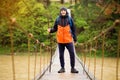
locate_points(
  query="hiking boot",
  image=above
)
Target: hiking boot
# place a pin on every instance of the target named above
(73, 70)
(62, 70)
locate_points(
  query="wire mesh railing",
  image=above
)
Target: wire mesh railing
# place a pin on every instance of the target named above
(96, 65)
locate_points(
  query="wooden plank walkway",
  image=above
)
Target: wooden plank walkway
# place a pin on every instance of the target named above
(54, 75)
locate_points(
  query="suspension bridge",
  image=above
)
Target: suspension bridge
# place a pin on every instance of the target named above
(45, 64)
(47, 67)
(67, 75)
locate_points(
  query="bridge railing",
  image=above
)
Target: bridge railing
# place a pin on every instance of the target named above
(39, 55)
(90, 48)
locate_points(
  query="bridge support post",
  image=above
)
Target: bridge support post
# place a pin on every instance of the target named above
(117, 25)
(12, 45)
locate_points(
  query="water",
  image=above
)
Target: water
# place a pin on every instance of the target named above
(21, 67)
(109, 69)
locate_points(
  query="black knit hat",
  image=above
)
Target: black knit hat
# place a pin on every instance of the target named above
(63, 8)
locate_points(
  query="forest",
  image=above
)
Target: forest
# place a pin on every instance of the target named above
(36, 16)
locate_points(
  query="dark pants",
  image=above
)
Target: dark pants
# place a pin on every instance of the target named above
(70, 48)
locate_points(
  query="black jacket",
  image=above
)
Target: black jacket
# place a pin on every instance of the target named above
(63, 21)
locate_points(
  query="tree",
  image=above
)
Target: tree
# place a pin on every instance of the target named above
(75, 1)
(70, 1)
(48, 2)
(7, 8)
(62, 1)
(30, 15)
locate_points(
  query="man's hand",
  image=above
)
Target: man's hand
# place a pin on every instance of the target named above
(49, 30)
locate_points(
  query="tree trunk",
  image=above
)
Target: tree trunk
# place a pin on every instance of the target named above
(86, 3)
(75, 1)
(79, 1)
(48, 2)
(70, 1)
(62, 1)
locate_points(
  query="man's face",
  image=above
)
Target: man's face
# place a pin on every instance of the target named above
(63, 12)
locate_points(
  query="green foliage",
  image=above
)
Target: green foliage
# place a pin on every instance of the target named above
(7, 8)
(106, 54)
(89, 18)
(82, 38)
(4, 50)
(81, 23)
(33, 17)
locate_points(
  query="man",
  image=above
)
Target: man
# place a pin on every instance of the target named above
(65, 29)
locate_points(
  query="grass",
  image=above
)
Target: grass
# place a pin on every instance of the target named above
(4, 50)
(98, 54)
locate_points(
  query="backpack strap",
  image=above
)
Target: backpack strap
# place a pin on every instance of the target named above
(57, 19)
(69, 19)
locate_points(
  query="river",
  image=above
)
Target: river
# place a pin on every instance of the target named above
(109, 68)
(21, 68)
